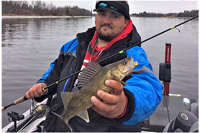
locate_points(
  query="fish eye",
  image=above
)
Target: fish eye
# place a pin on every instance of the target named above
(125, 62)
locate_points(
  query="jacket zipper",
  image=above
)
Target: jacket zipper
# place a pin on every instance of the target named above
(70, 72)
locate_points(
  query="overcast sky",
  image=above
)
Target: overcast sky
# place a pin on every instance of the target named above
(156, 6)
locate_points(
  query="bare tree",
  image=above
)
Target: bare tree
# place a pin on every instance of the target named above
(40, 8)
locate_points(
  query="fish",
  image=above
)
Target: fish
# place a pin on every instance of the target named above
(92, 79)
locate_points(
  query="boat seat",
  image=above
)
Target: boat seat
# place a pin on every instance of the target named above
(195, 109)
(186, 121)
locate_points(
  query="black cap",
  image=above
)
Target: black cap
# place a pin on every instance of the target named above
(121, 7)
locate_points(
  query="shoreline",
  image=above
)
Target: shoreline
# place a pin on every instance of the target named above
(13, 17)
(5, 17)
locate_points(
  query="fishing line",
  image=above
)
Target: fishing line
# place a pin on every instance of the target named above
(23, 98)
(178, 30)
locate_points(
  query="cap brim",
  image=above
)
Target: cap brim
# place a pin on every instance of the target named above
(96, 10)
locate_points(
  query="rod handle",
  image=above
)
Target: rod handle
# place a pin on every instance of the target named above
(21, 99)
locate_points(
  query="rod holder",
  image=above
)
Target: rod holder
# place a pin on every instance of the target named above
(14, 117)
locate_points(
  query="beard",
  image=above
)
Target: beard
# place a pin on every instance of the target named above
(107, 37)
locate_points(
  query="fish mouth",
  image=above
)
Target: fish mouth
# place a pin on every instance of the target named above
(131, 63)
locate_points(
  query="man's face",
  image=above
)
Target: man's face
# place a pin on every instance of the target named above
(109, 24)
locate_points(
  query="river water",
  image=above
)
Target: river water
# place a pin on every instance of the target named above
(29, 45)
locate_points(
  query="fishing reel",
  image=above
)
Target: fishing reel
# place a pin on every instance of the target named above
(38, 109)
(41, 109)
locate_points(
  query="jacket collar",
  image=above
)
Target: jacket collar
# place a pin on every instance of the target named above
(84, 39)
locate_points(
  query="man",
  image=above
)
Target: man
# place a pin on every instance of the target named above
(128, 106)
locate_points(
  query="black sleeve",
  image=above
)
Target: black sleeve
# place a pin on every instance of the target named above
(130, 107)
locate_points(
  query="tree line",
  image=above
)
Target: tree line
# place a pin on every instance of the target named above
(39, 8)
(186, 13)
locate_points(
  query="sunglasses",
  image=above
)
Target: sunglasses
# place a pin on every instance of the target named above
(104, 5)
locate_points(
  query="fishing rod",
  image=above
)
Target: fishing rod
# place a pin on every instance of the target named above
(24, 98)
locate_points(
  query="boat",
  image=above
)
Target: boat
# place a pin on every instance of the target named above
(176, 112)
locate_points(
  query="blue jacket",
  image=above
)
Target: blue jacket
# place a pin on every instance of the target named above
(143, 89)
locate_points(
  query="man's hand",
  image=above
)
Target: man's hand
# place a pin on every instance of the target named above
(113, 105)
(36, 91)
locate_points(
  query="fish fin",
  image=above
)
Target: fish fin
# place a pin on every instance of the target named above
(60, 116)
(66, 122)
(90, 70)
(66, 97)
(118, 80)
(70, 128)
(84, 115)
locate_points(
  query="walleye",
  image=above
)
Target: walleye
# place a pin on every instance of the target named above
(91, 80)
